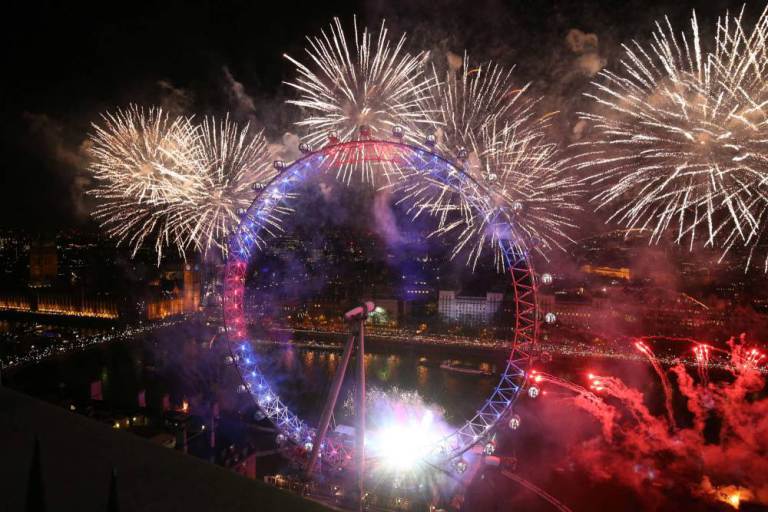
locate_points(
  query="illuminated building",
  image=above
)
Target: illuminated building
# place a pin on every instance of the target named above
(43, 263)
(191, 290)
(164, 308)
(471, 311)
(66, 305)
(61, 304)
(177, 301)
(14, 303)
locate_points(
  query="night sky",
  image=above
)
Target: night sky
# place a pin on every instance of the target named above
(67, 62)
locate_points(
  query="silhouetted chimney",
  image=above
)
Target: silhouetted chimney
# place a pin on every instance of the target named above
(112, 503)
(35, 489)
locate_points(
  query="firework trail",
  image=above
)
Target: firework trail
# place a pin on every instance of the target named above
(680, 134)
(145, 169)
(647, 352)
(744, 359)
(739, 357)
(585, 399)
(633, 401)
(539, 377)
(531, 194)
(536, 490)
(185, 185)
(644, 453)
(366, 90)
(231, 162)
(172, 181)
(701, 351)
(755, 242)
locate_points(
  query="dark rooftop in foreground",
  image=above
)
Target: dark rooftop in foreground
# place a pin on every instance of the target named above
(77, 456)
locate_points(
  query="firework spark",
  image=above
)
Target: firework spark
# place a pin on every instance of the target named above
(666, 386)
(145, 168)
(680, 134)
(174, 182)
(530, 193)
(366, 91)
(756, 241)
(200, 182)
(231, 162)
(744, 358)
(490, 128)
(463, 103)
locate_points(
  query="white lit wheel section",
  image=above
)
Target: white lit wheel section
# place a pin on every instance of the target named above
(386, 162)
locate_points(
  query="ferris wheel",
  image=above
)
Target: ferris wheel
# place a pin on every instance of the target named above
(402, 166)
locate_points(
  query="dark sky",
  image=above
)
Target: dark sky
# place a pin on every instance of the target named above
(67, 62)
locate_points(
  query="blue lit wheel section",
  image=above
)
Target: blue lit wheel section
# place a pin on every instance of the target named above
(397, 165)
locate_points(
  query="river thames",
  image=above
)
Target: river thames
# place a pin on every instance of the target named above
(186, 364)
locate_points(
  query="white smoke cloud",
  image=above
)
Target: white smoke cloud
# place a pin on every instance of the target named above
(242, 102)
(580, 42)
(244, 106)
(287, 149)
(587, 48)
(590, 64)
(454, 61)
(175, 100)
(384, 219)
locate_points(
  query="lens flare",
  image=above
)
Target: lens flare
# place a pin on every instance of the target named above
(404, 445)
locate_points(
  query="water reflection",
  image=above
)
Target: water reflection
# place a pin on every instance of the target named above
(302, 377)
(422, 376)
(176, 365)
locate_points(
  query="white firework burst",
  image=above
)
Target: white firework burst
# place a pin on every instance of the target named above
(231, 162)
(361, 87)
(489, 126)
(144, 165)
(464, 102)
(679, 139)
(530, 195)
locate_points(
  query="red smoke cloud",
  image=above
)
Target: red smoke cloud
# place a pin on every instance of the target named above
(719, 452)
